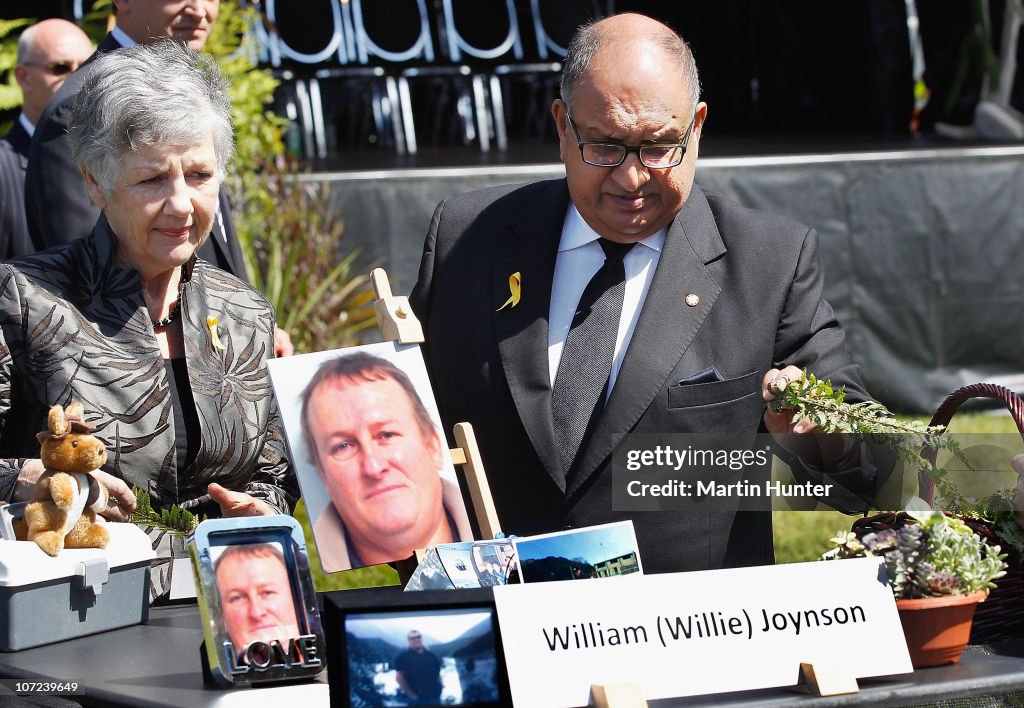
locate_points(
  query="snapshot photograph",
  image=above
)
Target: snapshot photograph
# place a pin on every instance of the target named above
(369, 453)
(422, 658)
(580, 554)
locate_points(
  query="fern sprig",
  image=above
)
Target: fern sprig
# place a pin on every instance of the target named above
(175, 520)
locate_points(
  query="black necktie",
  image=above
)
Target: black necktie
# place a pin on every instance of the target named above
(577, 396)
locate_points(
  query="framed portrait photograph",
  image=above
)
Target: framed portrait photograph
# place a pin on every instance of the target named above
(256, 598)
(371, 458)
(431, 648)
(603, 551)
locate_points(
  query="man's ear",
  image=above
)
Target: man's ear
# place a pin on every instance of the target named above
(21, 76)
(93, 188)
(560, 112)
(699, 116)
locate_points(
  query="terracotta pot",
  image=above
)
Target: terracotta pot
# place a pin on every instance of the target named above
(937, 628)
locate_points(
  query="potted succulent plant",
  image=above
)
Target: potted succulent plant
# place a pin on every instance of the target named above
(997, 517)
(939, 570)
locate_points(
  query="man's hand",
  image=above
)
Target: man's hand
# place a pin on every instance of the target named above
(121, 503)
(820, 447)
(780, 423)
(282, 343)
(238, 503)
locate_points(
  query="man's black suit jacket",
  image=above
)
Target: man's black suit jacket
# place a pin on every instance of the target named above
(14, 238)
(56, 202)
(759, 284)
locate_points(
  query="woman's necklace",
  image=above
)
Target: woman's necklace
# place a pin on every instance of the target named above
(175, 310)
(171, 316)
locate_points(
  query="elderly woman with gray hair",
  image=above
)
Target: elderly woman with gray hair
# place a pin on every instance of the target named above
(166, 352)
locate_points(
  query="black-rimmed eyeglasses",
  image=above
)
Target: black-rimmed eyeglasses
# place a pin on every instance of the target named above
(60, 68)
(653, 155)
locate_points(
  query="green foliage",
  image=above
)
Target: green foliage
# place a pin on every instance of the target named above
(289, 234)
(931, 556)
(257, 130)
(320, 300)
(10, 92)
(175, 520)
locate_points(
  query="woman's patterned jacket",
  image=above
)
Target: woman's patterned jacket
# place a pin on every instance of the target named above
(74, 326)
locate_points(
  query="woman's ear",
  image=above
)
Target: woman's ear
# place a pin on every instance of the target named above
(93, 188)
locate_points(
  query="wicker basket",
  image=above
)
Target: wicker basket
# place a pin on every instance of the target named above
(1001, 617)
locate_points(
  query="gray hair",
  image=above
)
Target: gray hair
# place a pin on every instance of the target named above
(26, 44)
(591, 38)
(148, 95)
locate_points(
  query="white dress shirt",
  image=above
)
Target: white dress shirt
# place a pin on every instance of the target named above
(122, 37)
(580, 256)
(28, 125)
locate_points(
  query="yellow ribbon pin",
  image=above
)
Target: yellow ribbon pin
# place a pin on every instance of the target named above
(211, 322)
(515, 287)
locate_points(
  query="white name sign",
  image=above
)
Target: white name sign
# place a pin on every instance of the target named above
(685, 634)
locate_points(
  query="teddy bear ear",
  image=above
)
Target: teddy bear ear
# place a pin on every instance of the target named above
(74, 414)
(56, 421)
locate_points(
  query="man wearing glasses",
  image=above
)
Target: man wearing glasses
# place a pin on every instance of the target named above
(565, 318)
(47, 52)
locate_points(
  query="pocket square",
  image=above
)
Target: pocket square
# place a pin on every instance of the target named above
(709, 375)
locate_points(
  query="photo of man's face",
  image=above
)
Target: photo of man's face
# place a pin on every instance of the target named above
(255, 596)
(379, 464)
(369, 453)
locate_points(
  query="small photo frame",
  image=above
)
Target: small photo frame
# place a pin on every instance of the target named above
(601, 551)
(369, 452)
(386, 647)
(260, 617)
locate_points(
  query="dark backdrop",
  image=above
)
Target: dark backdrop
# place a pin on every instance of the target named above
(768, 66)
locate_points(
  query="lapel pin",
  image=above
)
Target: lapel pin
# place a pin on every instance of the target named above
(515, 288)
(693, 300)
(211, 322)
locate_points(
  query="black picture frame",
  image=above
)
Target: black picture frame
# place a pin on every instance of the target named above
(339, 609)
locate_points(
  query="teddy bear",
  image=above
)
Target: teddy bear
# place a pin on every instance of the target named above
(66, 498)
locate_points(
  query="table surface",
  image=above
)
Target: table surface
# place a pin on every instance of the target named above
(152, 664)
(158, 664)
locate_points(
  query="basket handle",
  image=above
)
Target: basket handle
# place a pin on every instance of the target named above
(953, 401)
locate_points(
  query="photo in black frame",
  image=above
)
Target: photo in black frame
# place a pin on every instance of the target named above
(384, 644)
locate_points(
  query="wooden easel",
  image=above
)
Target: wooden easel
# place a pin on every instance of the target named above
(397, 322)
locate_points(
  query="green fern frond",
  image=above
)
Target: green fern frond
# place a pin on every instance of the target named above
(175, 521)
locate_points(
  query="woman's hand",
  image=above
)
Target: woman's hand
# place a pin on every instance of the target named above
(121, 503)
(238, 503)
(282, 343)
(26, 483)
(119, 507)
